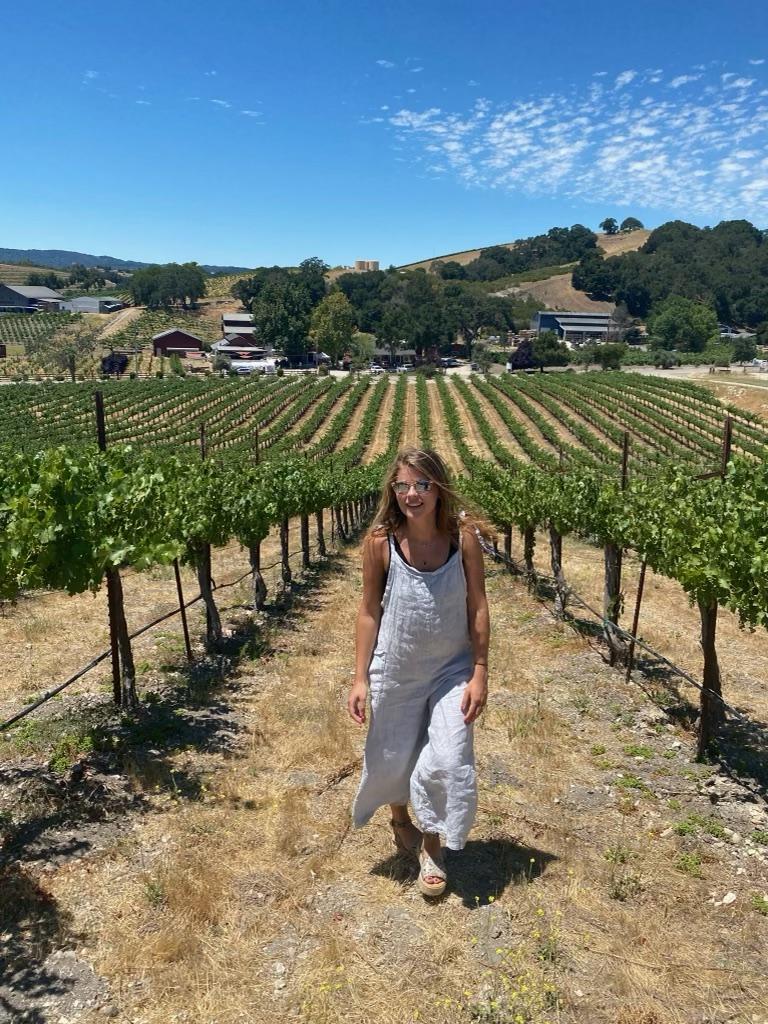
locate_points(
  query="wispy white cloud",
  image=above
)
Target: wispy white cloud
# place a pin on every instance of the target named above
(683, 80)
(222, 103)
(697, 150)
(472, 83)
(385, 63)
(761, 60)
(252, 113)
(599, 74)
(415, 71)
(88, 76)
(210, 74)
(143, 103)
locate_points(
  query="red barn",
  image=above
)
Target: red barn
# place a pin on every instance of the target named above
(175, 341)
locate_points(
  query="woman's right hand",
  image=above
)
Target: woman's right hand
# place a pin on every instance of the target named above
(358, 694)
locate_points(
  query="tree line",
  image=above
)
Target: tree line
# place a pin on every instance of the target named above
(294, 309)
(556, 247)
(724, 268)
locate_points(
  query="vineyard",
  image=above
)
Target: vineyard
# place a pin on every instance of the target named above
(22, 328)
(215, 482)
(633, 461)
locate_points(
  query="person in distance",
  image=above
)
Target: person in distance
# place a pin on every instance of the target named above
(422, 649)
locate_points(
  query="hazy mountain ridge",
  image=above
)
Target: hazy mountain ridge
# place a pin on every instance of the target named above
(60, 258)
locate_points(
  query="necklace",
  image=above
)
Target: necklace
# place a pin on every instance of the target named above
(426, 545)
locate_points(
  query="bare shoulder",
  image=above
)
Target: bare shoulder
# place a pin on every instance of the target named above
(470, 542)
(376, 550)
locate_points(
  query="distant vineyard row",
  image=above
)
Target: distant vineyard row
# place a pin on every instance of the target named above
(544, 420)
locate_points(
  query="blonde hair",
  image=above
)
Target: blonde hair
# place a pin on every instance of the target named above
(451, 513)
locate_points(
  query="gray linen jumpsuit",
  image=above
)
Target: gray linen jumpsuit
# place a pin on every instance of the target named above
(418, 746)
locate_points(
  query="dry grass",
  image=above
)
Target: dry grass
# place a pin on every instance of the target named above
(614, 245)
(558, 293)
(256, 903)
(47, 636)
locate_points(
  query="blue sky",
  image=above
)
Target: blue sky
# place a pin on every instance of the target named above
(252, 133)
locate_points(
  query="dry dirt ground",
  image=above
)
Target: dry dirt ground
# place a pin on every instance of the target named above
(196, 864)
(614, 245)
(558, 293)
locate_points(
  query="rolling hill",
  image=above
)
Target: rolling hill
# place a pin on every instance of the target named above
(58, 258)
(612, 245)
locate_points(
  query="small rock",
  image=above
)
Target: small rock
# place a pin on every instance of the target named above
(728, 899)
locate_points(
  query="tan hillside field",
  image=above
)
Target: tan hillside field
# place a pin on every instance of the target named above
(558, 293)
(14, 273)
(612, 245)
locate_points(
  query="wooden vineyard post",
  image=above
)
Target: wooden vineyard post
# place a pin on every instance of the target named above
(508, 545)
(529, 546)
(727, 438)
(612, 596)
(339, 522)
(182, 609)
(254, 551)
(712, 712)
(320, 534)
(213, 633)
(345, 520)
(123, 669)
(304, 530)
(556, 561)
(285, 554)
(636, 620)
(259, 586)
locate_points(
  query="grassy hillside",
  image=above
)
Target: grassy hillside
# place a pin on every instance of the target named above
(612, 245)
(13, 273)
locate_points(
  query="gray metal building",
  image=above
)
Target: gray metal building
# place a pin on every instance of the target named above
(20, 297)
(91, 304)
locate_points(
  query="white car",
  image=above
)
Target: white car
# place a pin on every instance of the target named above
(375, 368)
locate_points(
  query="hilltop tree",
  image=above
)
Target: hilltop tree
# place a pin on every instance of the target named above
(332, 325)
(610, 225)
(630, 224)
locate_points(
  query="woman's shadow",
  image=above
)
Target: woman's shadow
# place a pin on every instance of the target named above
(480, 872)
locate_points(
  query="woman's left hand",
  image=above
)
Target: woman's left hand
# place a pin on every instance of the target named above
(475, 695)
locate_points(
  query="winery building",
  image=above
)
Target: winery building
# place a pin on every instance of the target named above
(175, 342)
(22, 298)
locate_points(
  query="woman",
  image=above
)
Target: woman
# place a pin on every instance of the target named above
(422, 645)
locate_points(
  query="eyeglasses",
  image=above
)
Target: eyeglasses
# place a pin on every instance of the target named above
(402, 487)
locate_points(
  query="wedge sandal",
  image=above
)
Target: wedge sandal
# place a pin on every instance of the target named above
(430, 869)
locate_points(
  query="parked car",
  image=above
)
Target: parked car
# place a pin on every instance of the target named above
(375, 368)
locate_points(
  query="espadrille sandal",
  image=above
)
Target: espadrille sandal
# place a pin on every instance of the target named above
(407, 849)
(430, 869)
